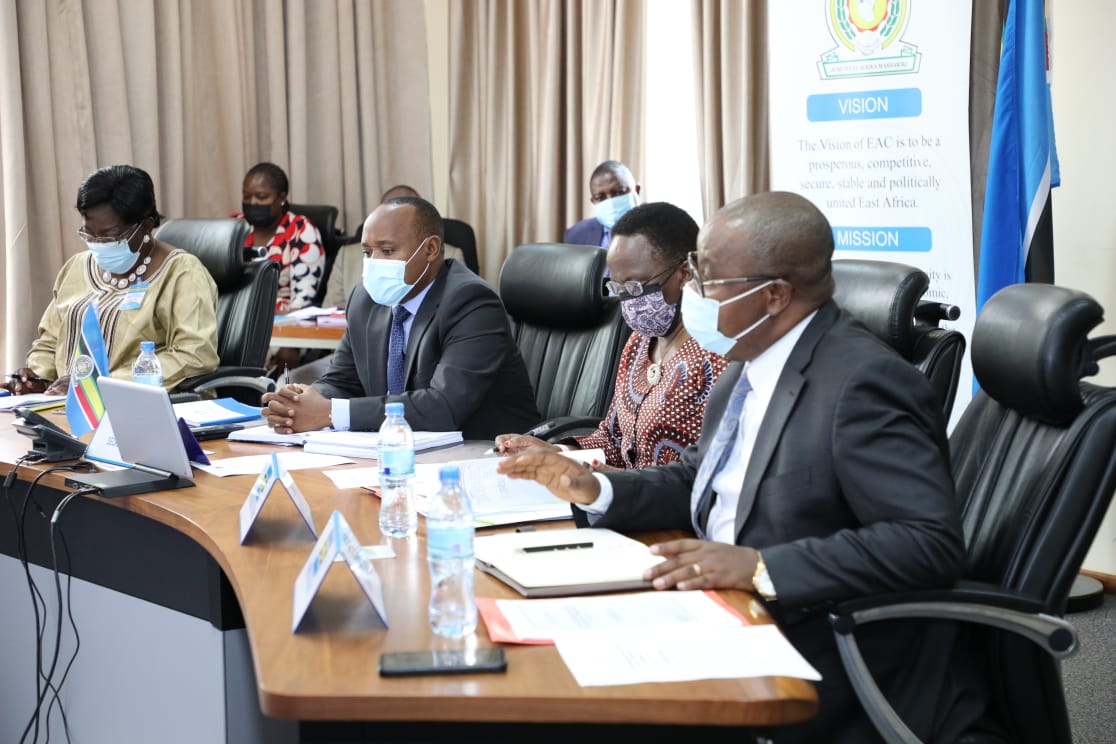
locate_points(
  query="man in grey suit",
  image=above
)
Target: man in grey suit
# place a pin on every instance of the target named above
(423, 330)
(821, 475)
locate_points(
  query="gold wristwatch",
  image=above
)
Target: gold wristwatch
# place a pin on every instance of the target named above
(761, 580)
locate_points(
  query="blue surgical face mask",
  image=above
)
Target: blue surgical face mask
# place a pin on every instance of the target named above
(383, 278)
(702, 317)
(116, 257)
(610, 210)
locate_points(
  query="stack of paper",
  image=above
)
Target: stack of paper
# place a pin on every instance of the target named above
(32, 401)
(333, 320)
(560, 563)
(366, 443)
(213, 412)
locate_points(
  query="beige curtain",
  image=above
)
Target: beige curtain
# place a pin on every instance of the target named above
(195, 92)
(730, 71)
(540, 93)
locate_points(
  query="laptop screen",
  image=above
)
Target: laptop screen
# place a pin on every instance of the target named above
(144, 425)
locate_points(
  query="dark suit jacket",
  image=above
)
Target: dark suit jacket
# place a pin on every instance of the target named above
(586, 232)
(848, 492)
(463, 369)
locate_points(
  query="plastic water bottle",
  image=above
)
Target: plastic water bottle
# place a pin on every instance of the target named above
(449, 544)
(398, 517)
(147, 368)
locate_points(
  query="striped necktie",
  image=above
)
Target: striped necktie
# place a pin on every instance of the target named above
(718, 452)
(397, 347)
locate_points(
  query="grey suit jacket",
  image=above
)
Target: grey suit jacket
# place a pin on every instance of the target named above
(463, 370)
(848, 492)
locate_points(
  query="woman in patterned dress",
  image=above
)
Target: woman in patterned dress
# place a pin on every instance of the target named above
(664, 377)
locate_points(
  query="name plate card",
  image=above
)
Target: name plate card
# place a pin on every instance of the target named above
(337, 540)
(271, 474)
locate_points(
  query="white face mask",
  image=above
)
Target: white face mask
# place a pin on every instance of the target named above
(116, 257)
(702, 318)
(383, 278)
(609, 211)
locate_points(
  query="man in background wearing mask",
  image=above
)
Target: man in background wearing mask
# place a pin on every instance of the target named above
(613, 191)
(425, 331)
(821, 474)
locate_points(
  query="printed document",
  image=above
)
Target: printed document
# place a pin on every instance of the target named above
(675, 653)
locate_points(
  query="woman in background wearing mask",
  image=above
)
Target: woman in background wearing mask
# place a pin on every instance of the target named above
(664, 376)
(281, 235)
(289, 239)
(143, 290)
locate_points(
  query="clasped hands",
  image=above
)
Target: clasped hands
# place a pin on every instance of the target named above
(690, 563)
(295, 408)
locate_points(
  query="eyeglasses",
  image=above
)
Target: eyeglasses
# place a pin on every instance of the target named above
(701, 284)
(633, 288)
(90, 238)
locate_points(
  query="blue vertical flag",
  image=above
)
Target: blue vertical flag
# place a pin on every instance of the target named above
(1016, 239)
(84, 406)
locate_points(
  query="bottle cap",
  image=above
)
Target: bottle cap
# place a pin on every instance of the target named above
(449, 473)
(394, 409)
(147, 346)
(387, 472)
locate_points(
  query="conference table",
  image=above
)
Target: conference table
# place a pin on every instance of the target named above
(306, 334)
(328, 670)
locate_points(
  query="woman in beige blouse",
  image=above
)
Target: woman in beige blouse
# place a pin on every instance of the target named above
(143, 290)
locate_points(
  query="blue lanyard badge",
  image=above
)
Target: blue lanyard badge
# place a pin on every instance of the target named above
(134, 299)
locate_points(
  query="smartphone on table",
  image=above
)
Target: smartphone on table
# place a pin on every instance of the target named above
(449, 661)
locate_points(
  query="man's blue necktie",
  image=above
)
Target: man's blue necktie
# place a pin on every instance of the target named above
(397, 348)
(718, 451)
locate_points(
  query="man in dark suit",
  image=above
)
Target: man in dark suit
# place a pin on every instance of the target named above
(821, 475)
(612, 191)
(423, 330)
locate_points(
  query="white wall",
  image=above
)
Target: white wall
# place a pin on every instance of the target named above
(1085, 204)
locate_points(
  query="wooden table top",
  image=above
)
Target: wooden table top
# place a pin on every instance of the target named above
(328, 670)
(306, 334)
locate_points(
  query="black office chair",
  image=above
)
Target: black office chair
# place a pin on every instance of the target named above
(246, 292)
(324, 217)
(1034, 459)
(461, 234)
(887, 298)
(569, 333)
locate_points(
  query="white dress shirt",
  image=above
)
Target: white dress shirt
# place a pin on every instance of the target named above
(340, 406)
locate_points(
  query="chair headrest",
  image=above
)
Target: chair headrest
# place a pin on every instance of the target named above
(554, 284)
(323, 216)
(883, 296)
(218, 243)
(1030, 349)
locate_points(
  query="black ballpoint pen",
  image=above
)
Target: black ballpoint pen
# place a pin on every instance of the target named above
(286, 374)
(560, 546)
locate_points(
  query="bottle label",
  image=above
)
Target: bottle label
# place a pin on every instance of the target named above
(401, 461)
(449, 543)
(156, 380)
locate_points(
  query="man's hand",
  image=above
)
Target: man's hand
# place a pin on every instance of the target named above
(295, 408)
(565, 478)
(513, 444)
(702, 564)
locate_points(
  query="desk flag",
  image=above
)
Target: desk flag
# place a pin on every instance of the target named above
(1017, 243)
(84, 406)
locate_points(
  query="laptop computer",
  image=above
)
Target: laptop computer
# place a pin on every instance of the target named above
(147, 437)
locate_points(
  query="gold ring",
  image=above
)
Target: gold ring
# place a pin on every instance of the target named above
(696, 568)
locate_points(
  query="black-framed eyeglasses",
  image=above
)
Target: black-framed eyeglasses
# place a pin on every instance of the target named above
(700, 284)
(632, 288)
(122, 235)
